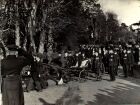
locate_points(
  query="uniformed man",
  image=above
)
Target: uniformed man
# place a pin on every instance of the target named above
(93, 61)
(86, 51)
(116, 61)
(105, 60)
(130, 61)
(36, 73)
(11, 66)
(111, 63)
(79, 58)
(90, 52)
(136, 53)
(125, 63)
(98, 67)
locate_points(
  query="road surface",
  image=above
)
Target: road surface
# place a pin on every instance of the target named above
(89, 92)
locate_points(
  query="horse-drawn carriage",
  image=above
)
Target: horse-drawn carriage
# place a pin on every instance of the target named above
(57, 73)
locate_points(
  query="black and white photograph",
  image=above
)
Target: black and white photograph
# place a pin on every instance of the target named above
(69, 52)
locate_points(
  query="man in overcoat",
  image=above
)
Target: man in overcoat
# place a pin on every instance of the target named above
(128, 61)
(116, 61)
(11, 66)
(111, 63)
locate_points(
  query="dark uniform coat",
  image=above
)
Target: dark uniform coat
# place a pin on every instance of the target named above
(128, 61)
(11, 66)
(136, 55)
(116, 62)
(111, 61)
(98, 67)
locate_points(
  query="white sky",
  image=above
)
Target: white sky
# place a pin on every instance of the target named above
(128, 11)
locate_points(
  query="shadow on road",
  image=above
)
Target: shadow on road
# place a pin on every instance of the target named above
(44, 102)
(123, 93)
(70, 97)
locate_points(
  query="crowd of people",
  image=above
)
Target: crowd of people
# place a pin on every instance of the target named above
(36, 71)
(102, 58)
(97, 60)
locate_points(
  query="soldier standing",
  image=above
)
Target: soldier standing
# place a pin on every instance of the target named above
(11, 66)
(116, 61)
(105, 61)
(136, 54)
(79, 58)
(130, 62)
(98, 67)
(93, 61)
(111, 65)
(125, 63)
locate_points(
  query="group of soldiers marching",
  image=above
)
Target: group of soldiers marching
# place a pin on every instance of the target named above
(105, 59)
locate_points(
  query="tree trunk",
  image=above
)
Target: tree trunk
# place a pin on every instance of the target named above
(42, 42)
(25, 44)
(17, 34)
(30, 25)
(50, 43)
(43, 33)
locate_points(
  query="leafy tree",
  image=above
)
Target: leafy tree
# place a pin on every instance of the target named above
(112, 26)
(44, 25)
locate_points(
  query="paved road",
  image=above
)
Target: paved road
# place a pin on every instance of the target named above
(90, 92)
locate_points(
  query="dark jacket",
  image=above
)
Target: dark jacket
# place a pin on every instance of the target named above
(12, 85)
(136, 55)
(128, 59)
(111, 60)
(13, 65)
(116, 59)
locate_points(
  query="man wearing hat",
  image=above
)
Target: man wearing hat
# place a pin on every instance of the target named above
(116, 61)
(136, 53)
(111, 61)
(128, 61)
(11, 66)
(98, 67)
